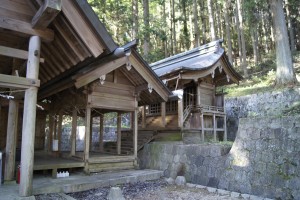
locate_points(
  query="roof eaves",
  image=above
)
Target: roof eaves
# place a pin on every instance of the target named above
(98, 26)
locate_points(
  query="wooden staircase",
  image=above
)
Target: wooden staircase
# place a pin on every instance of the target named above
(144, 137)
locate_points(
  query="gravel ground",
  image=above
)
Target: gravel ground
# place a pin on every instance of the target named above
(152, 190)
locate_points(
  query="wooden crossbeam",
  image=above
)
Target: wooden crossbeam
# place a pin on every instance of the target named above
(46, 14)
(8, 81)
(25, 28)
(102, 69)
(16, 53)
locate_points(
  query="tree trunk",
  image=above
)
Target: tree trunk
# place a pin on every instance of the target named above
(211, 20)
(244, 59)
(203, 24)
(284, 72)
(174, 28)
(228, 36)
(186, 42)
(290, 27)
(237, 21)
(135, 18)
(165, 41)
(255, 45)
(147, 29)
(196, 27)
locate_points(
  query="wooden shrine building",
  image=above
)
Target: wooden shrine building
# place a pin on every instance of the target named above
(57, 59)
(193, 76)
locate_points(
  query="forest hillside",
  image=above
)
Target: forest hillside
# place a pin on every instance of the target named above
(261, 38)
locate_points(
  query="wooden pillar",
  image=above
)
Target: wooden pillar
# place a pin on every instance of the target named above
(87, 138)
(55, 127)
(163, 114)
(119, 137)
(29, 118)
(202, 127)
(73, 134)
(215, 127)
(59, 129)
(198, 103)
(143, 117)
(180, 113)
(51, 127)
(135, 131)
(91, 134)
(225, 129)
(101, 131)
(11, 140)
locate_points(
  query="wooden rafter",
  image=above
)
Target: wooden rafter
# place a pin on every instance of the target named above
(45, 15)
(25, 28)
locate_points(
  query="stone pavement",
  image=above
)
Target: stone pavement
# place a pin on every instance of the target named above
(78, 182)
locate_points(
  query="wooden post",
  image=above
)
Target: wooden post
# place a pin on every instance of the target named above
(198, 95)
(144, 117)
(73, 134)
(59, 129)
(55, 127)
(91, 134)
(29, 118)
(225, 129)
(87, 138)
(135, 131)
(215, 127)
(51, 127)
(202, 127)
(11, 140)
(163, 114)
(101, 131)
(119, 137)
(180, 113)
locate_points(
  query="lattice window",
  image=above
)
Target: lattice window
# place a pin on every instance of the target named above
(171, 107)
(154, 109)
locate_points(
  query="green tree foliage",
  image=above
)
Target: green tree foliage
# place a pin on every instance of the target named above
(174, 32)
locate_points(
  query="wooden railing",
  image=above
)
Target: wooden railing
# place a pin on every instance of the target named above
(201, 109)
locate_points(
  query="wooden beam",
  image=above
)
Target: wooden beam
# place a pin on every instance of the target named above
(83, 29)
(102, 69)
(8, 81)
(16, 53)
(46, 14)
(46, 35)
(149, 77)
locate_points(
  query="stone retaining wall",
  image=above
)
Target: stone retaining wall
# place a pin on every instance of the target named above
(200, 164)
(258, 105)
(264, 159)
